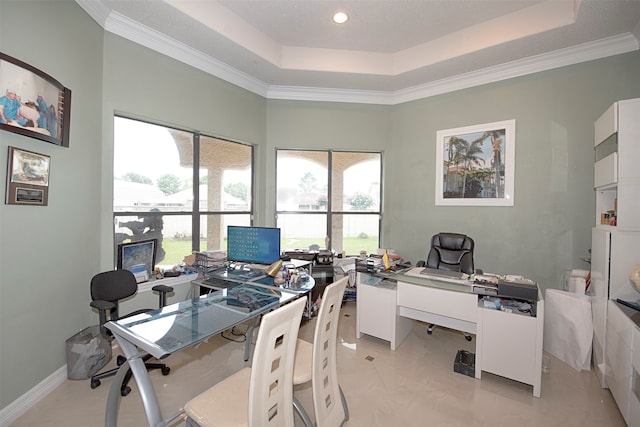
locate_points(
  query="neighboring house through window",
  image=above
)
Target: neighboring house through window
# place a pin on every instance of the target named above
(181, 188)
(329, 197)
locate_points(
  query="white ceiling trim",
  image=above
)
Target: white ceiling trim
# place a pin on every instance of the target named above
(522, 23)
(129, 29)
(526, 22)
(134, 31)
(228, 24)
(560, 58)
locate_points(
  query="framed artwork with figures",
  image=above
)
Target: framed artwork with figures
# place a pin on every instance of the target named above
(32, 103)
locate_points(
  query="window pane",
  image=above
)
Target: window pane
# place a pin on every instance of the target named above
(172, 232)
(225, 175)
(355, 182)
(355, 233)
(302, 230)
(214, 230)
(302, 180)
(152, 167)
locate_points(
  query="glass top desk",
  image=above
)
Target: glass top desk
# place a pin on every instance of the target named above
(224, 278)
(165, 331)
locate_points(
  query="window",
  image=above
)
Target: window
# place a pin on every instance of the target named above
(330, 194)
(154, 188)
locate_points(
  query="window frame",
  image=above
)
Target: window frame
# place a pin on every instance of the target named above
(195, 212)
(329, 213)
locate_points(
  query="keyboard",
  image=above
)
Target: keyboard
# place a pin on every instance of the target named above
(442, 273)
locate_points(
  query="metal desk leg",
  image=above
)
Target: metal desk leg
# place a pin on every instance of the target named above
(253, 324)
(148, 395)
(111, 414)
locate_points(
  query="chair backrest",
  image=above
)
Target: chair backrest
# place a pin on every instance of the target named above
(113, 286)
(451, 251)
(327, 402)
(271, 386)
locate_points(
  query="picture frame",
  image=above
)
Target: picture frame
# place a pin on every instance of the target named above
(27, 178)
(32, 103)
(475, 165)
(139, 258)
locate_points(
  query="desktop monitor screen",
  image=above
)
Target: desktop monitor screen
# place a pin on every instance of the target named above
(258, 245)
(139, 258)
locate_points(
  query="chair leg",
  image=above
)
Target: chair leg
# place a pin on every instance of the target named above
(191, 423)
(344, 404)
(124, 387)
(303, 414)
(430, 329)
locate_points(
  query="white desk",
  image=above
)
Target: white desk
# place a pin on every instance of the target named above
(507, 344)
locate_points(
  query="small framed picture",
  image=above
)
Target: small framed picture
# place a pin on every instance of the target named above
(27, 178)
(32, 103)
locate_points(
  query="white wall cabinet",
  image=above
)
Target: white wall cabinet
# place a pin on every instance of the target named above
(616, 172)
(623, 358)
(615, 249)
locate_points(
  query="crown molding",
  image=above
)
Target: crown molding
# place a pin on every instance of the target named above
(129, 29)
(560, 58)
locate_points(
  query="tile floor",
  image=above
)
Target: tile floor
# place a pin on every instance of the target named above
(413, 386)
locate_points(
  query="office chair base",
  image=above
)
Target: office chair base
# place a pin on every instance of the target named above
(432, 326)
(124, 388)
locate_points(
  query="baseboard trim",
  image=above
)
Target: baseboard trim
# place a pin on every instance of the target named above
(21, 405)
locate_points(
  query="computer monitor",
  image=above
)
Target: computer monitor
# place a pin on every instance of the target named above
(138, 257)
(255, 245)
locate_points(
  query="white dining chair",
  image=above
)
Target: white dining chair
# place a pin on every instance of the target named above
(317, 363)
(262, 395)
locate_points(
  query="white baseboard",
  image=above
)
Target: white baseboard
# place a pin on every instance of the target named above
(18, 407)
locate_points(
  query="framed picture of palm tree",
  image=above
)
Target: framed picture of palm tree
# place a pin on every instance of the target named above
(475, 165)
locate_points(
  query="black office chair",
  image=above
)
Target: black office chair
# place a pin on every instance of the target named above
(107, 289)
(452, 252)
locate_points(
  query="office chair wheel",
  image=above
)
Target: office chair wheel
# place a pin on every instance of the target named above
(95, 384)
(165, 370)
(125, 391)
(467, 337)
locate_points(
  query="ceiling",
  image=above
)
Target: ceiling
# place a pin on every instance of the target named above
(390, 51)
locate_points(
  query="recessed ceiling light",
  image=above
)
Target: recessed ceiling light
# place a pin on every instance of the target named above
(340, 18)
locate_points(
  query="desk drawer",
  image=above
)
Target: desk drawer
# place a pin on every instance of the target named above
(457, 305)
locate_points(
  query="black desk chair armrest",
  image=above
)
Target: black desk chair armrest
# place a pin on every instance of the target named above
(163, 290)
(103, 307)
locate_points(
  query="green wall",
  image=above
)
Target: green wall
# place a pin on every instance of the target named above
(549, 227)
(322, 125)
(48, 254)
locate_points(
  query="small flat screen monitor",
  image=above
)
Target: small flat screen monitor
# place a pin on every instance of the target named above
(139, 258)
(255, 245)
